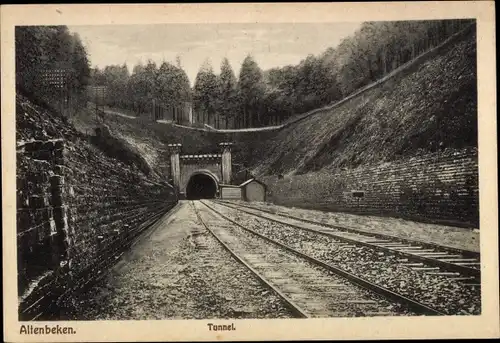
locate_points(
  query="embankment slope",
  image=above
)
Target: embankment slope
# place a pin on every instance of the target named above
(79, 206)
(151, 139)
(428, 107)
(406, 147)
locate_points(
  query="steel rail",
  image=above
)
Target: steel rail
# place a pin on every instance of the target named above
(386, 293)
(296, 309)
(464, 252)
(430, 261)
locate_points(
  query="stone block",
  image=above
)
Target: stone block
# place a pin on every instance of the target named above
(33, 146)
(47, 146)
(59, 144)
(46, 155)
(37, 201)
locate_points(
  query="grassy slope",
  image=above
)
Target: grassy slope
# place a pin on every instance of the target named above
(35, 120)
(426, 108)
(150, 139)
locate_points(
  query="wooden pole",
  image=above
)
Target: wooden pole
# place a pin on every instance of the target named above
(96, 107)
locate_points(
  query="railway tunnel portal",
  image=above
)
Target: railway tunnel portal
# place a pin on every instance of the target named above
(200, 176)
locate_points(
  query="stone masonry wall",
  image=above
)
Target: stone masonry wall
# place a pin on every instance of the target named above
(440, 187)
(38, 236)
(189, 167)
(78, 210)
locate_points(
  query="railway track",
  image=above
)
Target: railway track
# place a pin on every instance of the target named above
(309, 287)
(446, 291)
(434, 259)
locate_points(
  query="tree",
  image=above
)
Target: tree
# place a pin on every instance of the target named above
(140, 88)
(227, 97)
(41, 49)
(97, 77)
(205, 92)
(377, 48)
(116, 78)
(182, 85)
(80, 65)
(251, 90)
(165, 84)
(173, 88)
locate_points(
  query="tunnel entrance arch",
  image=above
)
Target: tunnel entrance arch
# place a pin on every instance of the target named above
(202, 184)
(215, 167)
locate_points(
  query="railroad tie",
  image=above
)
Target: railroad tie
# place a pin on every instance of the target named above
(343, 292)
(331, 285)
(448, 256)
(468, 264)
(462, 278)
(422, 252)
(395, 246)
(356, 302)
(432, 255)
(425, 268)
(444, 273)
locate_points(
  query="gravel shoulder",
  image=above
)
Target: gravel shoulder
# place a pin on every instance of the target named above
(439, 234)
(178, 271)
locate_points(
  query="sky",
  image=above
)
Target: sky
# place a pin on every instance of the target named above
(271, 45)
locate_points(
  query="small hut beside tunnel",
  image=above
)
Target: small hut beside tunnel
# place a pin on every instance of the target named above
(253, 190)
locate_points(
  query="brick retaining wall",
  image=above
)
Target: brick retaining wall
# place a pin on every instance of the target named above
(78, 210)
(439, 187)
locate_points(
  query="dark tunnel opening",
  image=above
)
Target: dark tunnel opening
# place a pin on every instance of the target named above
(201, 186)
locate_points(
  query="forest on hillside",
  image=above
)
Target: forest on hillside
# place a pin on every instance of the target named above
(254, 98)
(52, 65)
(259, 98)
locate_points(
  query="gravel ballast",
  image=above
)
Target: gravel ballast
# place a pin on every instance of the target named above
(439, 292)
(316, 290)
(179, 271)
(455, 237)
